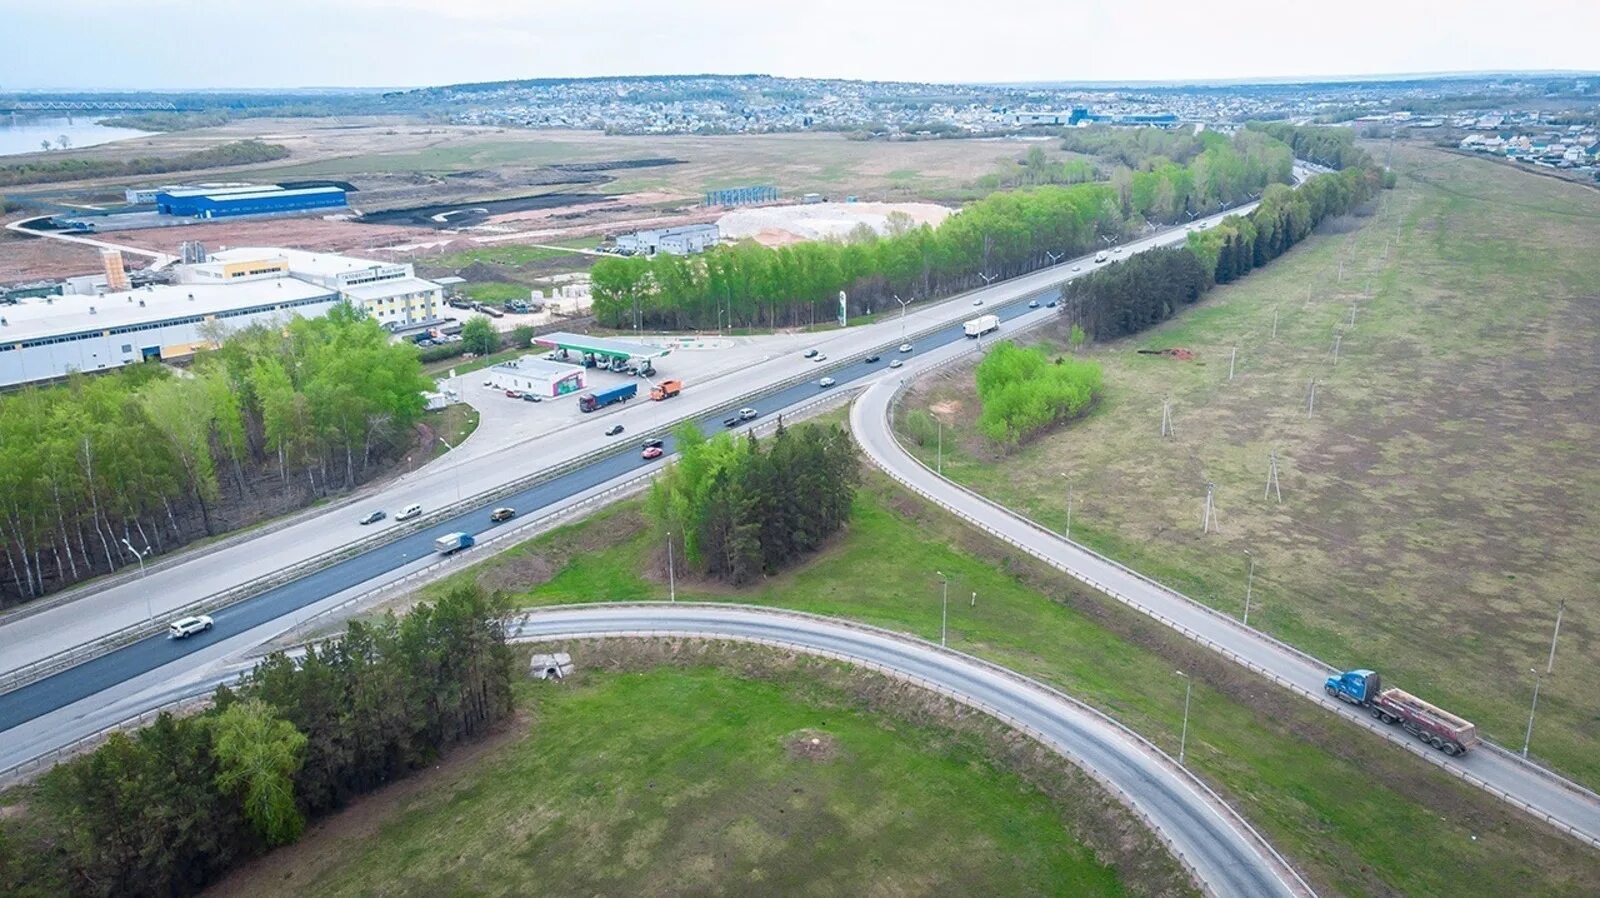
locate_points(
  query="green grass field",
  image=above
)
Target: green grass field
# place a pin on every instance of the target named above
(701, 782)
(1353, 812)
(1440, 502)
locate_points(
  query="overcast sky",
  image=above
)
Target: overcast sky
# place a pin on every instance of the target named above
(133, 44)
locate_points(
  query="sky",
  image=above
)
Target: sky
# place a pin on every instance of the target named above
(180, 44)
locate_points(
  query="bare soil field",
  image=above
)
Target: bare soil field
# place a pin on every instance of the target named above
(1440, 500)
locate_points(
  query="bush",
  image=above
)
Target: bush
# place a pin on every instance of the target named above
(921, 426)
(1023, 392)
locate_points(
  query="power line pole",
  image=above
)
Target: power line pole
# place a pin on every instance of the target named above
(1249, 584)
(1311, 400)
(1209, 521)
(1183, 740)
(1275, 317)
(1166, 418)
(1533, 709)
(1337, 338)
(1231, 359)
(1549, 667)
(1272, 477)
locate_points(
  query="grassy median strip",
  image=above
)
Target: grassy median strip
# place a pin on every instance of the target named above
(1330, 796)
(699, 781)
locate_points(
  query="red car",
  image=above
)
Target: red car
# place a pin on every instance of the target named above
(513, 394)
(651, 452)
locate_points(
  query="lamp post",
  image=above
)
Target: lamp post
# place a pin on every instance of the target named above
(672, 579)
(944, 613)
(939, 457)
(720, 313)
(149, 613)
(1055, 258)
(1249, 582)
(903, 304)
(1528, 736)
(455, 470)
(1183, 740)
(1069, 506)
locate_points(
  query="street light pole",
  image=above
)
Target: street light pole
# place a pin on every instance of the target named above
(1183, 740)
(903, 305)
(1069, 506)
(672, 579)
(1551, 666)
(149, 613)
(944, 613)
(455, 470)
(1248, 584)
(1528, 736)
(940, 456)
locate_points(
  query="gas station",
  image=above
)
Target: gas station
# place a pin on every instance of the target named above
(599, 352)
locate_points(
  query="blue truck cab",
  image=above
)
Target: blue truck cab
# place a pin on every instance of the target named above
(1358, 687)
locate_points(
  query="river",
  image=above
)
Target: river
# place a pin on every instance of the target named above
(24, 133)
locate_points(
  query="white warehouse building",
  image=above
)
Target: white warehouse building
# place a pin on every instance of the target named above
(539, 376)
(389, 292)
(50, 337)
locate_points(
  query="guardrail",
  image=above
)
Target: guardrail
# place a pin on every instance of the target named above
(1316, 695)
(68, 658)
(1144, 744)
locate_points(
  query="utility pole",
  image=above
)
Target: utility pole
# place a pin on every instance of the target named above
(1183, 740)
(1274, 322)
(940, 456)
(672, 580)
(1272, 477)
(1311, 400)
(1528, 736)
(944, 612)
(1249, 584)
(1166, 418)
(1551, 666)
(149, 613)
(1069, 507)
(1336, 340)
(1231, 359)
(1209, 521)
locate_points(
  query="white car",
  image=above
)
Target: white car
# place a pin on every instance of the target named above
(1117, 251)
(1077, 268)
(977, 302)
(748, 414)
(896, 363)
(184, 627)
(905, 347)
(414, 510)
(826, 382)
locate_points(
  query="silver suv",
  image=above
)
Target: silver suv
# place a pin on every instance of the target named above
(184, 627)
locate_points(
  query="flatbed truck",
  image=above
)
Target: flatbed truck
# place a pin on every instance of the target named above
(1433, 725)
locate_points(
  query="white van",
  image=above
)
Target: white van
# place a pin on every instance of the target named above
(414, 510)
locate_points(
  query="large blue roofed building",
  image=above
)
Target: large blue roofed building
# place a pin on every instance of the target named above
(260, 200)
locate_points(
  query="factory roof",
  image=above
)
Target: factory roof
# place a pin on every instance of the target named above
(231, 195)
(397, 287)
(301, 261)
(33, 319)
(218, 191)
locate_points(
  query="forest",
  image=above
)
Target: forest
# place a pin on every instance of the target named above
(42, 171)
(170, 808)
(1001, 236)
(1023, 391)
(743, 508)
(144, 459)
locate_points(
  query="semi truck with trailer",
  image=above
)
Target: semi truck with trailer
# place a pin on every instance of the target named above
(666, 390)
(589, 402)
(1433, 725)
(981, 325)
(452, 542)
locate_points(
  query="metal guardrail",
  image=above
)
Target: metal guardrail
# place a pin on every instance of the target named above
(1432, 757)
(1141, 742)
(71, 657)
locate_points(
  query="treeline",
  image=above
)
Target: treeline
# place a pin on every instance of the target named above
(1332, 147)
(240, 152)
(1000, 236)
(1150, 287)
(170, 808)
(1036, 169)
(139, 459)
(745, 507)
(1023, 391)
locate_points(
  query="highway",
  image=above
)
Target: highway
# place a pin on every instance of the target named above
(1222, 851)
(1500, 772)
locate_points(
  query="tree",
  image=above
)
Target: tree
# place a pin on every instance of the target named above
(258, 754)
(1076, 338)
(479, 336)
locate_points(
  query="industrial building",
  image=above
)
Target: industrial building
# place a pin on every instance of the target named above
(49, 337)
(43, 337)
(541, 377)
(223, 202)
(680, 241)
(389, 292)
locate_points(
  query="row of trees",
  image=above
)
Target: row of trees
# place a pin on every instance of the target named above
(744, 507)
(1150, 287)
(1023, 391)
(239, 152)
(172, 807)
(143, 458)
(1000, 236)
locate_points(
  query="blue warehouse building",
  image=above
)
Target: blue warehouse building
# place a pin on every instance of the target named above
(258, 200)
